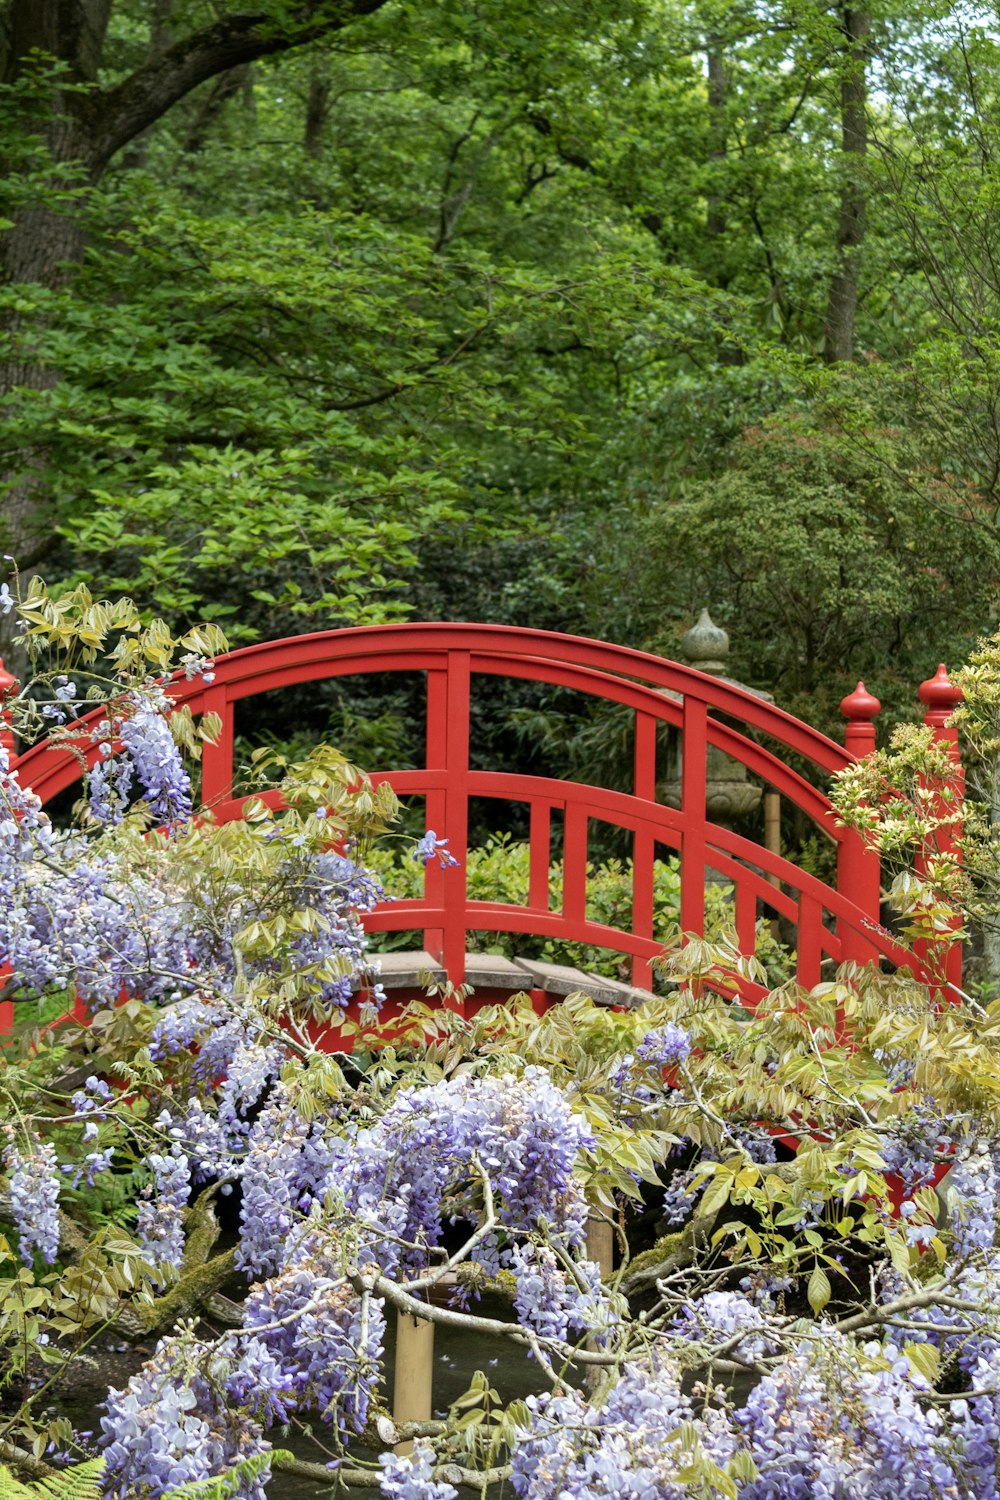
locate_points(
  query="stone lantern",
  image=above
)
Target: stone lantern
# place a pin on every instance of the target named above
(729, 795)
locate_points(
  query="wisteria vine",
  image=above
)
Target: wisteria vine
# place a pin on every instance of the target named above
(813, 1311)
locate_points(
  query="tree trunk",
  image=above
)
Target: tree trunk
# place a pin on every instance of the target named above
(842, 303)
(41, 249)
(716, 218)
(83, 129)
(715, 215)
(316, 111)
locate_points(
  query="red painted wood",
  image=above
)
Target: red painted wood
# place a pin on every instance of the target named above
(574, 902)
(657, 692)
(811, 944)
(746, 916)
(432, 782)
(941, 698)
(217, 758)
(643, 846)
(693, 783)
(539, 856)
(456, 819)
(8, 687)
(858, 867)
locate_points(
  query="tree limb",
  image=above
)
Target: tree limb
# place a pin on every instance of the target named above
(123, 112)
(188, 1295)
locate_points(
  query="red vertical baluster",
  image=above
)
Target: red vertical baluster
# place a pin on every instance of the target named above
(456, 828)
(694, 751)
(217, 759)
(858, 867)
(7, 686)
(435, 813)
(940, 698)
(539, 855)
(643, 845)
(575, 835)
(746, 916)
(810, 944)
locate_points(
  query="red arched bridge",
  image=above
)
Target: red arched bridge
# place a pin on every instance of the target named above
(830, 921)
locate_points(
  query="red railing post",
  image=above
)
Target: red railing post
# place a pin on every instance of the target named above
(643, 845)
(454, 879)
(694, 777)
(940, 698)
(858, 867)
(7, 685)
(217, 757)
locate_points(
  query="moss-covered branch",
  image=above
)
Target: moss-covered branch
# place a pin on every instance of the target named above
(189, 1294)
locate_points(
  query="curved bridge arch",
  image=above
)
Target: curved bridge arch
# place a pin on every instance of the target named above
(835, 922)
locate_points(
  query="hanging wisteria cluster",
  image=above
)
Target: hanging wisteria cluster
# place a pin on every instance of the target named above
(816, 1318)
(329, 1210)
(102, 917)
(834, 1419)
(189, 1413)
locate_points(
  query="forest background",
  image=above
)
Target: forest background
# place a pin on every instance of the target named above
(576, 315)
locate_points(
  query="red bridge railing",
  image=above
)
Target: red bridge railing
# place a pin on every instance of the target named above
(838, 922)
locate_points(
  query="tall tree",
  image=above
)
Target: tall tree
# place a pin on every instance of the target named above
(53, 60)
(266, 383)
(842, 303)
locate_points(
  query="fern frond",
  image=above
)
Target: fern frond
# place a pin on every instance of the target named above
(13, 1489)
(82, 1482)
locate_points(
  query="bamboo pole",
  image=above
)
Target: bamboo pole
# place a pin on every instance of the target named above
(601, 1241)
(413, 1393)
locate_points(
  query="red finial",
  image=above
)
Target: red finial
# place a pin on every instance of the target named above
(861, 705)
(860, 709)
(940, 697)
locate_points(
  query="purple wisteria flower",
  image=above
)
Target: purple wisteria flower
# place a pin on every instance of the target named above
(431, 847)
(67, 917)
(634, 1447)
(108, 788)
(153, 751)
(637, 1082)
(716, 1317)
(973, 1192)
(327, 1345)
(555, 1303)
(412, 1478)
(392, 1177)
(177, 1421)
(34, 1199)
(160, 1225)
(823, 1423)
(273, 1188)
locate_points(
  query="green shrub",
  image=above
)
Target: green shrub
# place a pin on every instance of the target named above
(500, 871)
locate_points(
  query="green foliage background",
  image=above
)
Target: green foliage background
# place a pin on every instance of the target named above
(509, 313)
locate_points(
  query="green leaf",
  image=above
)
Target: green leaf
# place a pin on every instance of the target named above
(819, 1290)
